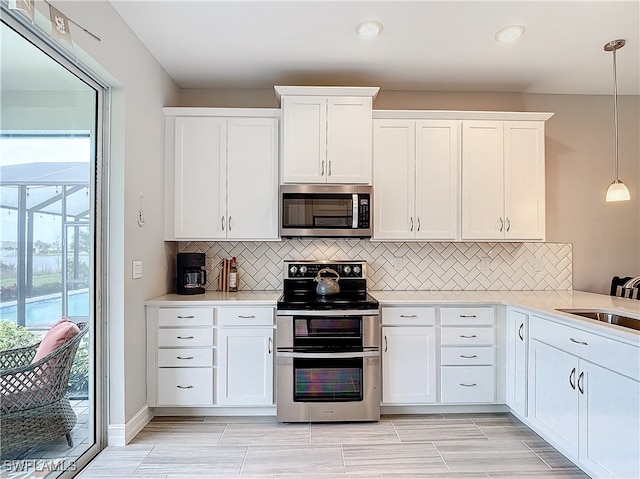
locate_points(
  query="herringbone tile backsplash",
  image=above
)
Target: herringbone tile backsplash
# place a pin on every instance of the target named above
(402, 266)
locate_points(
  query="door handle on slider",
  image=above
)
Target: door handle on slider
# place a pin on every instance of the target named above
(572, 379)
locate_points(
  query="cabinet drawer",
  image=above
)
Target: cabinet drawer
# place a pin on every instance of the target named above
(185, 317)
(245, 316)
(467, 336)
(185, 386)
(408, 316)
(475, 356)
(187, 337)
(185, 358)
(609, 353)
(468, 384)
(468, 316)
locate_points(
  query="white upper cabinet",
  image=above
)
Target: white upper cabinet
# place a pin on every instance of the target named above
(503, 183)
(326, 135)
(221, 174)
(416, 177)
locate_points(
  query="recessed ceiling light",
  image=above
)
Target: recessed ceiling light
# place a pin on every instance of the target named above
(369, 29)
(509, 34)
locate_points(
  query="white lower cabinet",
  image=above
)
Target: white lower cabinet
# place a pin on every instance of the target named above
(210, 356)
(245, 356)
(516, 341)
(180, 356)
(408, 356)
(467, 355)
(589, 412)
(245, 366)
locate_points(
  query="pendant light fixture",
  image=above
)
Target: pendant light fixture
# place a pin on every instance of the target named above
(617, 190)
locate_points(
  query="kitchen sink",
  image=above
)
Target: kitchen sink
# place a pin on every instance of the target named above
(606, 317)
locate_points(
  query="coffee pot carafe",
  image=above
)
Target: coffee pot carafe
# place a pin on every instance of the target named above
(192, 276)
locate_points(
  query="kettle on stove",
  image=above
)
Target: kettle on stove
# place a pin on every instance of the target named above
(326, 285)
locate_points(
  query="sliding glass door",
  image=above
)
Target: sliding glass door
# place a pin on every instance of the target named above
(51, 251)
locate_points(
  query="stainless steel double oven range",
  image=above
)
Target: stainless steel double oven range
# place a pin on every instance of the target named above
(328, 347)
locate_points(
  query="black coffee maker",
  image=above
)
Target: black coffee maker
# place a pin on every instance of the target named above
(191, 274)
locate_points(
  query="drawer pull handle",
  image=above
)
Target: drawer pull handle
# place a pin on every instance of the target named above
(469, 357)
(468, 385)
(184, 387)
(184, 337)
(468, 316)
(386, 343)
(186, 317)
(184, 357)
(572, 379)
(408, 315)
(270, 347)
(468, 336)
(578, 342)
(246, 317)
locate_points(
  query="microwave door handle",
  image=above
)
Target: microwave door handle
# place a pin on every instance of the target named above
(354, 217)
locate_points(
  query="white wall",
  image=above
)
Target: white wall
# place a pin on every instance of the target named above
(579, 166)
(140, 89)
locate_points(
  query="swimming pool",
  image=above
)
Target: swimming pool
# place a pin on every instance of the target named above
(42, 312)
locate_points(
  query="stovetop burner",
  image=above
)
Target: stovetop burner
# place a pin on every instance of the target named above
(300, 288)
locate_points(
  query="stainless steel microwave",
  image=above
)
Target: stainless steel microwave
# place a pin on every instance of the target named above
(335, 211)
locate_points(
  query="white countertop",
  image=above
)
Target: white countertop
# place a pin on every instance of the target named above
(216, 298)
(543, 302)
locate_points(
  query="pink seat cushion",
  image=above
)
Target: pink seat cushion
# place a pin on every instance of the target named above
(60, 333)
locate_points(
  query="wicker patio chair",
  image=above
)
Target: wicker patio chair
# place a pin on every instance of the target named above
(34, 406)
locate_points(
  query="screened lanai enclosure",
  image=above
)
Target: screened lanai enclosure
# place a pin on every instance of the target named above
(45, 208)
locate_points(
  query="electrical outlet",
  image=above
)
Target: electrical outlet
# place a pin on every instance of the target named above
(485, 263)
(398, 263)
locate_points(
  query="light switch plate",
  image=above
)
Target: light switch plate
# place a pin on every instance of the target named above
(136, 269)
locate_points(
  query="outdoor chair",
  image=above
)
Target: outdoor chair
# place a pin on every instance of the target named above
(34, 406)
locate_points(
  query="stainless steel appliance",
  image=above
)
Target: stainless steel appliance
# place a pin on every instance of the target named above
(325, 211)
(192, 277)
(327, 346)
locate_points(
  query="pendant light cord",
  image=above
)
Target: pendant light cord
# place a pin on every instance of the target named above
(615, 112)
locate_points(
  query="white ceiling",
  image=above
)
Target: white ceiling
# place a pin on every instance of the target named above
(424, 45)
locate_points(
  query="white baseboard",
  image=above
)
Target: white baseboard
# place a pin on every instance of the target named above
(122, 434)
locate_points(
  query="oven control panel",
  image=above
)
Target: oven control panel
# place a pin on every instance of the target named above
(309, 269)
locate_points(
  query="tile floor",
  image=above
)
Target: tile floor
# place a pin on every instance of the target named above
(449, 446)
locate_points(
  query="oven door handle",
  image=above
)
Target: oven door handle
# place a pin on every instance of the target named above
(359, 354)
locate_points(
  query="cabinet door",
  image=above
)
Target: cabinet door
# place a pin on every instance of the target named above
(437, 160)
(516, 363)
(304, 139)
(553, 397)
(482, 180)
(200, 177)
(349, 133)
(252, 180)
(609, 422)
(245, 367)
(524, 180)
(393, 179)
(409, 365)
